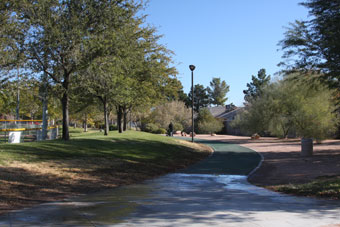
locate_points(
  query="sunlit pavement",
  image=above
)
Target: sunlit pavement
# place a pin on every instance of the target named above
(183, 199)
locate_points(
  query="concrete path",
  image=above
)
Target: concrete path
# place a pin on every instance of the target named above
(196, 197)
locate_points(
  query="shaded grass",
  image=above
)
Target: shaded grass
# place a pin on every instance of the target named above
(323, 187)
(36, 172)
(133, 146)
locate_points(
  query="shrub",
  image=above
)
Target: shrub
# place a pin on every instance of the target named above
(178, 127)
(151, 127)
(291, 106)
(161, 131)
(207, 123)
(175, 112)
(212, 126)
(113, 127)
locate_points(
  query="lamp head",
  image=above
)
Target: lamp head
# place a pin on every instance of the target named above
(192, 67)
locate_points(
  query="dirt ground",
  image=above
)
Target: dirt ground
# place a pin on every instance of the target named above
(283, 163)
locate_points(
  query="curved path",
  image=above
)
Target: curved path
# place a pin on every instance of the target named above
(203, 195)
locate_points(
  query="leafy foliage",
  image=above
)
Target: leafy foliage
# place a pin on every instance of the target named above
(100, 48)
(201, 98)
(255, 88)
(175, 112)
(217, 91)
(315, 44)
(291, 106)
(207, 123)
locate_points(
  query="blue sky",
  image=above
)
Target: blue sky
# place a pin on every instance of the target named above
(230, 39)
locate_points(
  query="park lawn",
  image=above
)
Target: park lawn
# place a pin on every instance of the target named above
(323, 187)
(31, 173)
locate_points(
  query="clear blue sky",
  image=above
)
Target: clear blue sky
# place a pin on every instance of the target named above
(230, 39)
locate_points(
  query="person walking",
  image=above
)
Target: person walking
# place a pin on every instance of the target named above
(171, 129)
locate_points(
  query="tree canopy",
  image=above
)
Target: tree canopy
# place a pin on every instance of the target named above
(201, 97)
(291, 106)
(101, 48)
(217, 91)
(314, 45)
(255, 88)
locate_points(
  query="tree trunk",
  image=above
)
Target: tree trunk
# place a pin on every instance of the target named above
(44, 123)
(119, 118)
(64, 102)
(85, 122)
(124, 118)
(106, 119)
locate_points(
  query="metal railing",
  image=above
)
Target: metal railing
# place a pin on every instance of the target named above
(19, 131)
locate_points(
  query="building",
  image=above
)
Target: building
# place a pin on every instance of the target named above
(227, 114)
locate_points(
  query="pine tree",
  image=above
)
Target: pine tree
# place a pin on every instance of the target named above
(217, 91)
(255, 88)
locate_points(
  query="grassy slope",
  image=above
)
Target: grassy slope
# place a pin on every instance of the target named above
(50, 170)
(129, 146)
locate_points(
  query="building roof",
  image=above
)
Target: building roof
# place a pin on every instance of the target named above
(231, 114)
(224, 112)
(216, 111)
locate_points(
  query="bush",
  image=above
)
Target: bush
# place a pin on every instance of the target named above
(175, 112)
(211, 126)
(113, 127)
(207, 123)
(161, 131)
(178, 127)
(291, 106)
(151, 127)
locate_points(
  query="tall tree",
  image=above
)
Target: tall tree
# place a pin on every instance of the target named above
(138, 75)
(201, 98)
(12, 35)
(217, 91)
(66, 36)
(315, 44)
(255, 88)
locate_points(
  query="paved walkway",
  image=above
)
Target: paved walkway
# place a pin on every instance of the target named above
(202, 195)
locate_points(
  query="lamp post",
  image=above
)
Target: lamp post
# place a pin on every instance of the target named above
(192, 68)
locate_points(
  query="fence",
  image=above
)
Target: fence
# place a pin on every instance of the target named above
(18, 131)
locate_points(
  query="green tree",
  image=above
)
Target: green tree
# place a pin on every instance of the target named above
(64, 37)
(315, 44)
(207, 123)
(174, 111)
(138, 75)
(201, 97)
(30, 103)
(12, 35)
(8, 95)
(217, 91)
(290, 105)
(255, 88)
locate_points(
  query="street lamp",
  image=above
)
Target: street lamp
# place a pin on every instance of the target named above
(192, 68)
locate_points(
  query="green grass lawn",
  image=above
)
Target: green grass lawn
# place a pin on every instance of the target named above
(128, 146)
(36, 172)
(324, 187)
